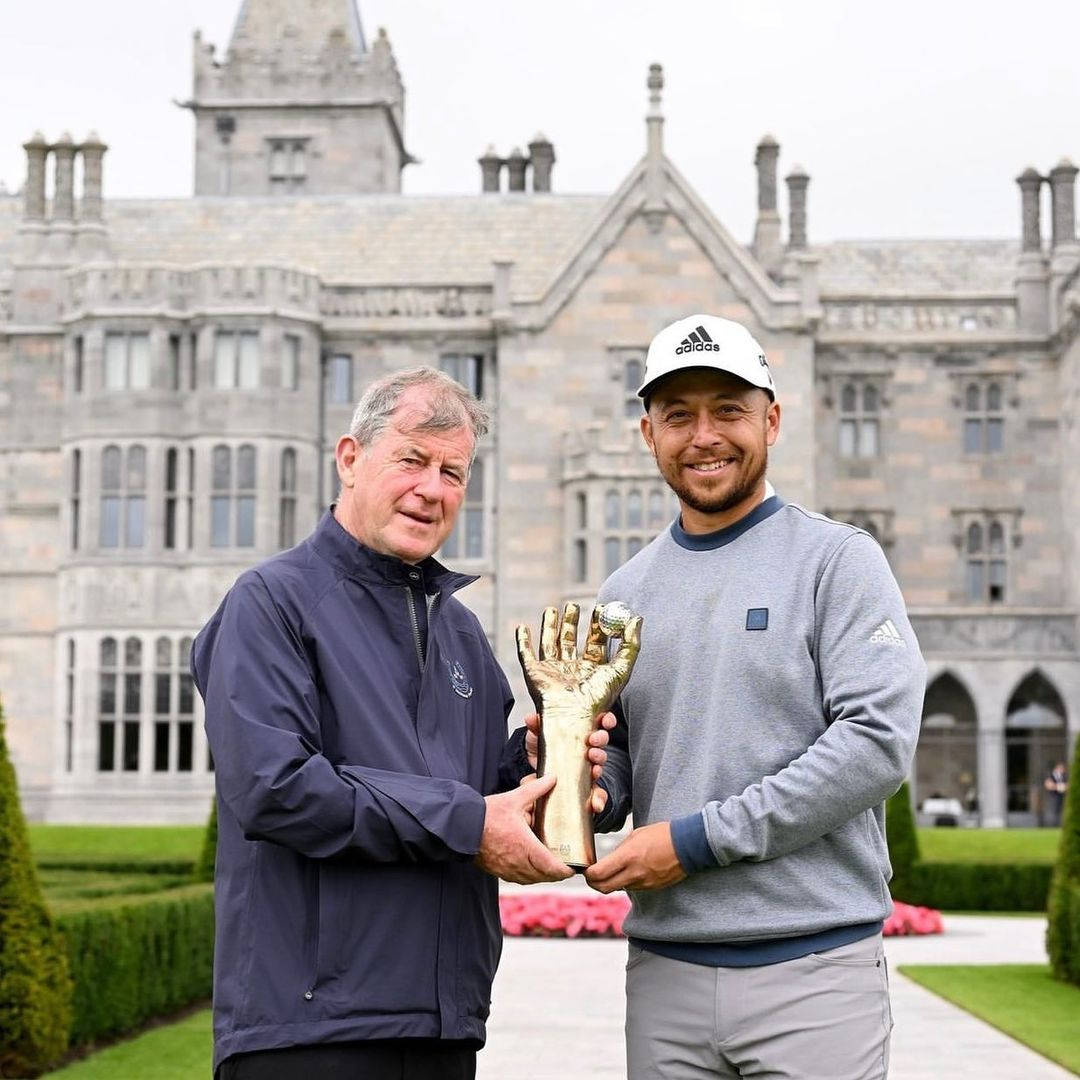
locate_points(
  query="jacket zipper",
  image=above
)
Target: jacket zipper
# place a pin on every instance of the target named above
(420, 658)
(415, 627)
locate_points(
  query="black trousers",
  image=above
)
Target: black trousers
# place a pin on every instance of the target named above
(373, 1059)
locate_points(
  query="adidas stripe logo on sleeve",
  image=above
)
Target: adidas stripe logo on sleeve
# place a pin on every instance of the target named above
(887, 634)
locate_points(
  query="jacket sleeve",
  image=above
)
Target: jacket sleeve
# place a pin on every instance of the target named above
(871, 687)
(262, 722)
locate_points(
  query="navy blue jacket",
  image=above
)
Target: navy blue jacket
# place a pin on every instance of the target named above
(350, 781)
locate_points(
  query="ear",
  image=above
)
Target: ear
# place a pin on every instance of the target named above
(647, 435)
(345, 454)
(772, 423)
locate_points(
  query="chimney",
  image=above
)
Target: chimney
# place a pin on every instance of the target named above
(1032, 274)
(1064, 250)
(1062, 203)
(767, 246)
(37, 150)
(93, 150)
(490, 169)
(1030, 184)
(797, 182)
(515, 170)
(542, 157)
(64, 192)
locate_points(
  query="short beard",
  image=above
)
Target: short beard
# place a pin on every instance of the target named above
(720, 503)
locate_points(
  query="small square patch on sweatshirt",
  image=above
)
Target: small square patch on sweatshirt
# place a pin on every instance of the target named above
(757, 618)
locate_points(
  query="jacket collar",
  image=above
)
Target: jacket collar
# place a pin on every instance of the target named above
(344, 551)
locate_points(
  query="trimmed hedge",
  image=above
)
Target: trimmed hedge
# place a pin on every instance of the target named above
(204, 865)
(1063, 933)
(1063, 911)
(35, 988)
(978, 887)
(164, 867)
(903, 841)
(138, 959)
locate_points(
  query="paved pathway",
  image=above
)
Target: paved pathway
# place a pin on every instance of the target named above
(558, 1009)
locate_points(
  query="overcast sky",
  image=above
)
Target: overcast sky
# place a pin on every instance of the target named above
(913, 119)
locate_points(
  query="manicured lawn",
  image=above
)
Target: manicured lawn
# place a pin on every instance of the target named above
(1020, 999)
(989, 845)
(180, 1051)
(116, 843)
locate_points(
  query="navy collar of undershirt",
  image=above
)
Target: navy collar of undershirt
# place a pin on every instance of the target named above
(339, 547)
(717, 539)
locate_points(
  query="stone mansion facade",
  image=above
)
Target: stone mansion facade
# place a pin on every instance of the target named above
(174, 374)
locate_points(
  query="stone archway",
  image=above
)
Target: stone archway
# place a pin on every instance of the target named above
(946, 760)
(1035, 740)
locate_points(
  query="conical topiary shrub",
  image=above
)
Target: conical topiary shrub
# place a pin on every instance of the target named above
(35, 987)
(903, 843)
(204, 865)
(1063, 908)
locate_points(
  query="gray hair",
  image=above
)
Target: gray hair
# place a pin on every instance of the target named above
(451, 405)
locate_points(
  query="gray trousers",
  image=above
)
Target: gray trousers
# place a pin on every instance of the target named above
(821, 1017)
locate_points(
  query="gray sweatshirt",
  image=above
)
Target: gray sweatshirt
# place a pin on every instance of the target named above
(774, 706)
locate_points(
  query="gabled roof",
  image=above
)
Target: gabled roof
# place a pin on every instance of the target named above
(265, 25)
(668, 192)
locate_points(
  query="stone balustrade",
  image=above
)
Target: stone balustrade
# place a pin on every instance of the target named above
(406, 302)
(1010, 634)
(873, 315)
(155, 289)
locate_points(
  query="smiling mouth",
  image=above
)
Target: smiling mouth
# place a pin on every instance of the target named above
(709, 468)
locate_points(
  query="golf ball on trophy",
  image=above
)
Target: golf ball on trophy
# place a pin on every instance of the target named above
(614, 617)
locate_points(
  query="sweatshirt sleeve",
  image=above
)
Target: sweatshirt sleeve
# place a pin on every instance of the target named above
(262, 722)
(872, 679)
(616, 778)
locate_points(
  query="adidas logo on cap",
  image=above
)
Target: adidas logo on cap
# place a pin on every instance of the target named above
(706, 341)
(697, 340)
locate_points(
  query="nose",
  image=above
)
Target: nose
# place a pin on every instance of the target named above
(706, 429)
(429, 483)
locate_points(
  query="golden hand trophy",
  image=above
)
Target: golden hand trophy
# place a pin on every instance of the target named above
(569, 693)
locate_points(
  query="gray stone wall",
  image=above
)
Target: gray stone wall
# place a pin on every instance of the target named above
(922, 476)
(347, 151)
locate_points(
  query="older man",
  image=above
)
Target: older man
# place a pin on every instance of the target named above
(356, 716)
(774, 706)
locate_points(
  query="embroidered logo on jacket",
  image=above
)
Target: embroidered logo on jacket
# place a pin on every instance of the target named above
(458, 679)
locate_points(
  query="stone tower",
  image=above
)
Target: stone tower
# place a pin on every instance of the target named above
(300, 105)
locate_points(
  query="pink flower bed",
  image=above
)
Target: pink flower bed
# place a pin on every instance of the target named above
(550, 914)
(540, 914)
(909, 919)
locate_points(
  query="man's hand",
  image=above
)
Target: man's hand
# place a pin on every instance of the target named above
(595, 752)
(508, 848)
(646, 859)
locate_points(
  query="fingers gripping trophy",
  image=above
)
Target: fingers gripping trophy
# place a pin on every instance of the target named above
(569, 693)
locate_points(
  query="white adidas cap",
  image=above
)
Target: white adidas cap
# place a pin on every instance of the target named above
(710, 342)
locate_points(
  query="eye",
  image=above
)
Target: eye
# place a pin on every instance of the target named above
(454, 476)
